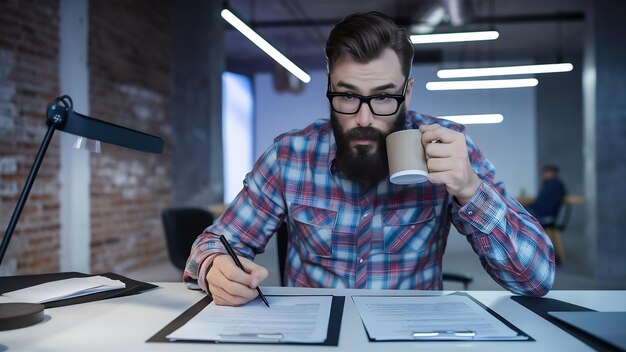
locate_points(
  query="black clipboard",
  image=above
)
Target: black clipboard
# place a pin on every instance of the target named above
(489, 310)
(12, 283)
(332, 334)
(541, 306)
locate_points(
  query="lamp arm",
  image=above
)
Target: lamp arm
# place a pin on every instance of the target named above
(107, 132)
(56, 117)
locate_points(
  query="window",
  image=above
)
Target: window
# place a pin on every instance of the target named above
(237, 131)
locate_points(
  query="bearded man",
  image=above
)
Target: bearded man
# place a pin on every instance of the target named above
(348, 225)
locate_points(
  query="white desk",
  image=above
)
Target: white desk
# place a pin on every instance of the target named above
(124, 324)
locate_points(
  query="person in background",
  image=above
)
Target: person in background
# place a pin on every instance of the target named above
(550, 197)
(348, 225)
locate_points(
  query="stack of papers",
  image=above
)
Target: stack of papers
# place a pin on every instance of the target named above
(64, 289)
(449, 317)
(302, 319)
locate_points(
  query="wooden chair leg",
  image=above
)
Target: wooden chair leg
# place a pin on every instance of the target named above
(555, 237)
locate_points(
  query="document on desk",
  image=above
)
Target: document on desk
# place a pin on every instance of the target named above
(450, 317)
(288, 319)
(65, 289)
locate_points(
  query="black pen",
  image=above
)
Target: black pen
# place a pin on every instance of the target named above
(232, 254)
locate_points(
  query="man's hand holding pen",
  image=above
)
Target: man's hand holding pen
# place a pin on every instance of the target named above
(232, 286)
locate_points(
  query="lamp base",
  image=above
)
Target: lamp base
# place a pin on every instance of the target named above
(19, 315)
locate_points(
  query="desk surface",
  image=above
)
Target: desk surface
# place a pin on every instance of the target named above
(124, 324)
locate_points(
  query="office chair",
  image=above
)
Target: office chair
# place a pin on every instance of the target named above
(554, 225)
(182, 227)
(282, 241)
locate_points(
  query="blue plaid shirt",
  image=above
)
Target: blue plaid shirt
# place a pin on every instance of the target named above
(345, 234)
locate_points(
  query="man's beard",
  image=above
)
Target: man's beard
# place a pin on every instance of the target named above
(360, 163)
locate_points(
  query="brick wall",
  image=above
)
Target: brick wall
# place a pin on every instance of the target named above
(129, 67)
(129, 59)
(28, 82)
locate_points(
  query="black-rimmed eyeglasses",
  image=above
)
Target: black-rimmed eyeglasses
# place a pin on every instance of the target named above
(380, 104)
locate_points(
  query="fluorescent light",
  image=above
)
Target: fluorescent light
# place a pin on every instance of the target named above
(504, 70)
(430, 20)
(454, 37)
(474, 119)
(265, 46)
(483, 84)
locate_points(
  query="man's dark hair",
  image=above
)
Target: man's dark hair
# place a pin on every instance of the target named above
(364, 36)
(550, 167)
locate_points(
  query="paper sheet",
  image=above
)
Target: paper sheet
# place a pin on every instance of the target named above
(288, 319)
(63, 289)
(448, 317)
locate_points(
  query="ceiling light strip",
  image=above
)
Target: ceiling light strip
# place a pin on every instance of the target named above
(504, 70)
(265, 46)
(483, 84)
(454, 37)
(475, 119)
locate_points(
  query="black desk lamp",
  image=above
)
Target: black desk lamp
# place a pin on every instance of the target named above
(61, 116)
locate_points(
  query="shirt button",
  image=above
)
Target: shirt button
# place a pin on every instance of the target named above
(470, 212)
(365, 215)
(361, 260)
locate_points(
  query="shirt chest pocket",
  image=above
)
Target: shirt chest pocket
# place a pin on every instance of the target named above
(407, 230)
(315, 227)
